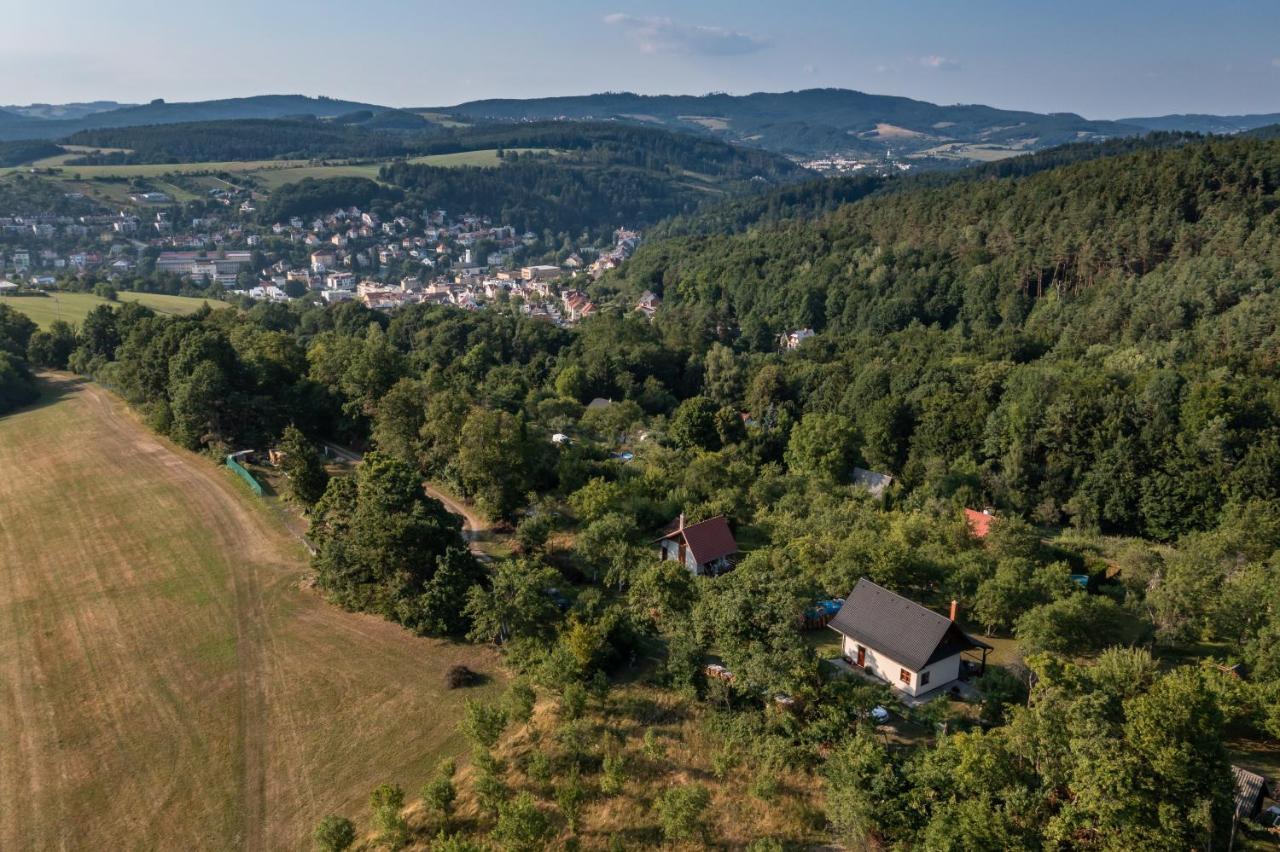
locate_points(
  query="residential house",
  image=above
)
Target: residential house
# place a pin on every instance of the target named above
(912, 648)
(705, 548)
(323, 260)
(648, 304)
(979, 522)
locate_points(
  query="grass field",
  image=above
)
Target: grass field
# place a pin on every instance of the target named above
(108, 184)
(73, 307)
(166, 680)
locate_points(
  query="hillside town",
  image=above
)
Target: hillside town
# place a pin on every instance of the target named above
(350, 254)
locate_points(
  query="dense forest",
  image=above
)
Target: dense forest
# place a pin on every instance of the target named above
(602, 178)
(243, 139)
(19, 153)
(1090, 350)
(1095, 342)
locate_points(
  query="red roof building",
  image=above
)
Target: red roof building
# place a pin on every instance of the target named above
(979, 522)
(704, 547)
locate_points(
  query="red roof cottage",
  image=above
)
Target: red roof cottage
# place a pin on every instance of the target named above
(704, 547)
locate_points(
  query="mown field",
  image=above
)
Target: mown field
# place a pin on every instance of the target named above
(168, 680)
(73, 307)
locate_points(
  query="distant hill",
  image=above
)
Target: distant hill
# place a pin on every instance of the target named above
(1217, 124)
(821, 121)
(65, 111)
(1271, 131)
(162, 112)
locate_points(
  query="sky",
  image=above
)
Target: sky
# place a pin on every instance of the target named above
(1100, 59)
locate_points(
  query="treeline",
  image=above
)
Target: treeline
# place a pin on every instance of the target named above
(19, 153)
(17, 385)
(241, 139)
(615, 143)
(1093, 342)
(310, 196)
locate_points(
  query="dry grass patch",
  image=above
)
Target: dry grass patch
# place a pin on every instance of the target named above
(168, 682)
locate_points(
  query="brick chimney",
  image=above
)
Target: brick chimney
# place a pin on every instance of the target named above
(953, 609)
(680, 523)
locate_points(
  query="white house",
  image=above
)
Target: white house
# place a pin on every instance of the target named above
(704, 548)
(912, 648)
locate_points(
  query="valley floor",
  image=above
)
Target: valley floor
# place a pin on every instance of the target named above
(166, 678)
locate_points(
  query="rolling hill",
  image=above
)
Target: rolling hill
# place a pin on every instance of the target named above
(815, 121)
(163, 112)
(1196, 123)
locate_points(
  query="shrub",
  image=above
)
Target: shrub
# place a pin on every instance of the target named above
(334, 834)
(460, 676)
(680, 810)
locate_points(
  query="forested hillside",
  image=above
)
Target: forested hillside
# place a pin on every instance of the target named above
(563, 179)
(811, 120)
(245, 139)
(1096, 342)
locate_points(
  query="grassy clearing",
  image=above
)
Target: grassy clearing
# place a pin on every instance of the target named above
(748, 800)
(73, 307)
(169, 681)
(106, 183)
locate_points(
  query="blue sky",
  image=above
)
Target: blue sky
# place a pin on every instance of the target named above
(1100, 59)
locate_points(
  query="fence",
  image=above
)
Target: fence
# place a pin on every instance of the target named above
(244, 474)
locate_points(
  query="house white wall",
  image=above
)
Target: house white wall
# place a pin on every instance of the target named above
(671, 552)
(941, 673)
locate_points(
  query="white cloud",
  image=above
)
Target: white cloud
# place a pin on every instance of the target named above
(663, 35)
(939, 63)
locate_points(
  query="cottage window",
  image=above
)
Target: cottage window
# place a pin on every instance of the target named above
(905, 677)
(924, 678)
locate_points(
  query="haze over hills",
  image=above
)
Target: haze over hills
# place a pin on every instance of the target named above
(65, 111)
(17, 126)
(804, 124)
(820, 121)
(1199, 123)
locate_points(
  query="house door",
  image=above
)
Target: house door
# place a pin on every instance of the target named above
(862, 657)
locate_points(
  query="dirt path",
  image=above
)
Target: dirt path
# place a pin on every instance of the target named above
(474, 527)
(165, 680)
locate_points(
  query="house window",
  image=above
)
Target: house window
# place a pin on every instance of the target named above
(924, 678)
(905, 677)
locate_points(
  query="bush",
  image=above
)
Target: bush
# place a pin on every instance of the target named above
(460, 676)
(613, 774)
(680, 811)
(521, 826)
(334, 834)
(482, 723)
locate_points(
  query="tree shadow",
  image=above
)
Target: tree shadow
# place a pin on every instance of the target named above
(53, 388)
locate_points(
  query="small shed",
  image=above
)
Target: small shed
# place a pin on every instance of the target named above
(873, 483)
(1251, 789)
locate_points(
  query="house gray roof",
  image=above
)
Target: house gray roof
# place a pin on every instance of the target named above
(909, 633)
(1250, 790)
